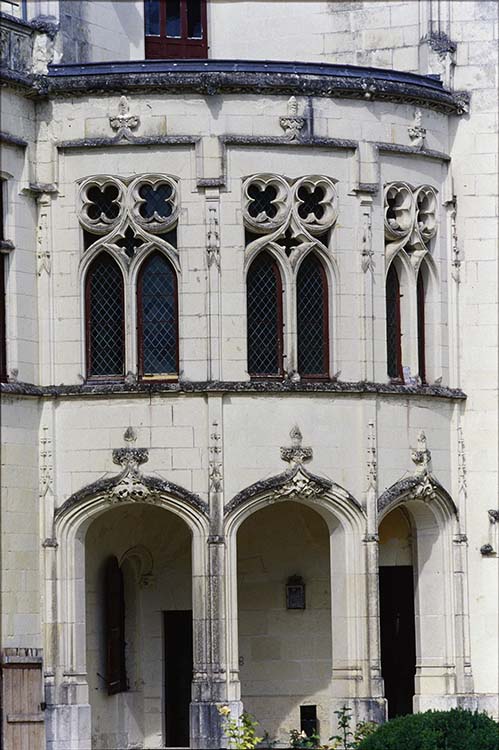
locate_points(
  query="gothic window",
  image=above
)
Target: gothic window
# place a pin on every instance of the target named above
(104, 318)
(421, 293)
(114, 605)
(265, 323)
(175, 29)
(157, 317)
(393, 327)
(312, 315)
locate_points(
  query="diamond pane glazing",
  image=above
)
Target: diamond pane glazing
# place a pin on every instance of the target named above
(158, 314)
(105, 317)
(264, 317)
(312, 318)
(393, 323)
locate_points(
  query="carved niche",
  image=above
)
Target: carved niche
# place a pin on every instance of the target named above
(129, 215)
(289, 215)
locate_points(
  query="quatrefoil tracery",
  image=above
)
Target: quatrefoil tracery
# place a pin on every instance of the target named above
(132, 214)
(410, 219)
(293, 215)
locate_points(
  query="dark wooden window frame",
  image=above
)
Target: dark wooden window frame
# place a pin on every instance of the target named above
(280, 322)
(88, 324)
(163, 47)
(397, 353)
(140, 337)
(3, 321)
(324, 375)
(421, 313)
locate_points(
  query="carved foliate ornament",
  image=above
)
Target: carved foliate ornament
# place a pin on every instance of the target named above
(290, 215)
(296, 453)
(416, 131)
(292, 123)
(129, 215)
(425, 489)
(124, 122)
(410, 219)
(300, 485)
(129, 485)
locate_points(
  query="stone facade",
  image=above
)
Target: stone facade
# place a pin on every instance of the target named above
(194, 483)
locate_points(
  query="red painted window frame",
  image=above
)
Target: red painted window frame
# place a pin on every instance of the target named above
(280, 322)
(140, 324)
(88, 326)
(421, 299)
(162, 47)
(324, 375)
(392, 273)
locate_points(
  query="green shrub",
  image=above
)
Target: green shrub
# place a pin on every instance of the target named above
(436, 730)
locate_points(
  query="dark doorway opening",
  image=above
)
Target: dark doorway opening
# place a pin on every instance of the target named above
(398, 641)
(178, 675)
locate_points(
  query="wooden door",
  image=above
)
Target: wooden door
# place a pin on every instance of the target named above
(23, 726)
(178, 675)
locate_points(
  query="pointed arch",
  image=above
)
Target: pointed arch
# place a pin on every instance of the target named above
(157, 317)
(264, 306)
(104, 318)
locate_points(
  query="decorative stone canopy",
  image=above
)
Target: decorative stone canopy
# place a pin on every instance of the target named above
(131, 486)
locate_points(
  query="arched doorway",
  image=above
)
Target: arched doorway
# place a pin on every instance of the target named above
(138, 558)
(284, 617)
(397, 621)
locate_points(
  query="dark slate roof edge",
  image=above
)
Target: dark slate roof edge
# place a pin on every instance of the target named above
(217, 76)
(246, 386)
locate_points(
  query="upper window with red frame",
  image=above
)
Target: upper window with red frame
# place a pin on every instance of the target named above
(175, 28)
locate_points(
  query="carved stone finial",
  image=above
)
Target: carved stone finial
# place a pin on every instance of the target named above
(130, 435)
(124, 122)
(421, 456)
(130, 486)
(417, 133)
(296, 453)
(292, 124)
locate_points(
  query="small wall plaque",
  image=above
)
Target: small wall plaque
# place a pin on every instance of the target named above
(295, 593)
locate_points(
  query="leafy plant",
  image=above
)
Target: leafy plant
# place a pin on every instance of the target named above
(241, 733)
(456, 729)
(301, 740)
(344, 740)
(348, 740)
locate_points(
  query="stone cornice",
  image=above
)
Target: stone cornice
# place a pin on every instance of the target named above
(211, 77)
(246, 386)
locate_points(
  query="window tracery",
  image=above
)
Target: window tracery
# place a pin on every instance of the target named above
(290, 219)
(411, 224)
(130, 240)
(125, 215)
(294, 214)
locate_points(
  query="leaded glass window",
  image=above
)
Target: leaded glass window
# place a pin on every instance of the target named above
(312, 315)
(393, 329)
(105, 319)
(420, 292)
(264, 310)
(157, 317)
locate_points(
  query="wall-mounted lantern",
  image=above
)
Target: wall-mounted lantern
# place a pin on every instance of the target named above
(295, 593)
